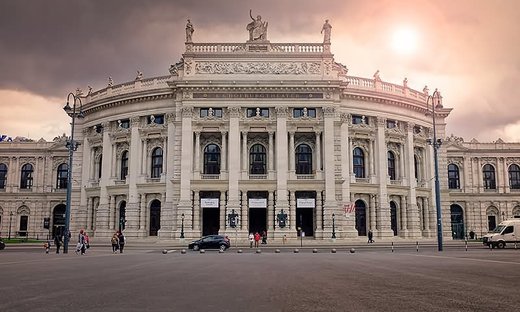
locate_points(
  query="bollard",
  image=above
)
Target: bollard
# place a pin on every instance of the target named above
(164, 251)
(466, 244)
(277, 251)
(296, 250)
(183, 251)
(258, 251)
(392, 246)
(417, 245)
(515, 244)
(315, 250)
(239, 251)
(352, 250)
(333, 250)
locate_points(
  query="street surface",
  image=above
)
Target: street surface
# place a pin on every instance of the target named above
(371, 279)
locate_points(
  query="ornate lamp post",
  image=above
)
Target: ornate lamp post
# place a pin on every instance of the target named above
(182, 225)
(436, 144)
(10, 220)
(72, 146)
(333, 225)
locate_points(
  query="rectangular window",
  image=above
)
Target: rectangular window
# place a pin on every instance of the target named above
(157, 119)
(390, 124)
(304, 112)
(257, 112)
(124, 123)
(211, 112)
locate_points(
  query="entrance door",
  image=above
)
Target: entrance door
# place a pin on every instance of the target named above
(393, 217)
(257, 220)
(58, 220)
(361, 218)
(210, 221)
(305, 220)
(492, 223)
(457, 222)
(155, 217)
(122, 215)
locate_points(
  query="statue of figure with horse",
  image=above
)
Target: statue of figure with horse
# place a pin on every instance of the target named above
(257, 28)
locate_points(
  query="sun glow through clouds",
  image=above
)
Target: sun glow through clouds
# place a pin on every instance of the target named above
(404, 40)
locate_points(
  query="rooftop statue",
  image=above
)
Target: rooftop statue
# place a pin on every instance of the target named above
(326, 30)
(257, 29)
(189, 31)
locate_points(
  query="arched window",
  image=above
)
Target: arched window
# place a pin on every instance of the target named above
(100, 166)
(61, 180)
(453, 177)
(489, 177)
(3, 176)
(155, 217)
(257, 159)
(26, 181)
(124, 165)
(416, 166)
(359, 162)
(393, 217)
(212, 159)
(303, 159)
(514, 177)
(122, 215)
(157, 162)
(361, 218)
(391, 165)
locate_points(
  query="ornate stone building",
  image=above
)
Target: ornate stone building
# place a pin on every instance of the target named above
(254, 136)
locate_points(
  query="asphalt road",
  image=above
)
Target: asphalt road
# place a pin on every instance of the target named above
(367, 280)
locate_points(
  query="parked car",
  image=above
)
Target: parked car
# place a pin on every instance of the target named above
(2, 244)
(211, 242)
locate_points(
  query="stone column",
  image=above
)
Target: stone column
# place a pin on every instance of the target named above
(197, 152)
(223, 226)
(282, 157)
(144, 154)
(319, 212)
(480, 179)
(245, 212)
(102, 229)
(318, 151)
(292, 211)
(372, 212)
(196, 213)
(233, 200)
(223, 164)
(346, 225)
(168, 211)
(135, 171)
(244, 154)
(270, 212)
(330, 205)
(185, 200)
(143, 209)
(111, 212)
(413, 220)
(89, 213)
(113, 169)
(383, 210)
(291, 153)
(270, 159)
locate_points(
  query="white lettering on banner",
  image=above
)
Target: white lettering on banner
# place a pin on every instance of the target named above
(209, 202)
(350, 209)
(257, 202)
(305, 203)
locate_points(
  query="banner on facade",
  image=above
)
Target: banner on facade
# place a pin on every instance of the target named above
(209, 202)
(257, 202)
(350, 210)
(305, 203)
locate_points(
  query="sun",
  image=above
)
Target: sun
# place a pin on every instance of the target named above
(404, 40)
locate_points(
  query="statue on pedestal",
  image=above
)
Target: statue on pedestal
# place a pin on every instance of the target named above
(257, 29)
(189, 31)
(326, 30)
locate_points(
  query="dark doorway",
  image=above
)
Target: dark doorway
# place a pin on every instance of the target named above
(210, 221)
(457, 222)
(305, 220)
(24, 221)
(58, 220)
(393, 217)
(257, 220)
(122, 215)
(361, 218)
(492, 223)
(155, 217)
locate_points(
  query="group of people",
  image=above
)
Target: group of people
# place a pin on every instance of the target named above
(118, 242)
(83, 242)
(255, 239)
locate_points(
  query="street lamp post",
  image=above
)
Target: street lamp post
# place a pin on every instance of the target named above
(436, 144)
(72, 146)
(10, 220)
(333, 226)
(182, 225)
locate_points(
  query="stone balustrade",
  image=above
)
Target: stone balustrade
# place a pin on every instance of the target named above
(130, 87)
(244, 47)
(358, 83)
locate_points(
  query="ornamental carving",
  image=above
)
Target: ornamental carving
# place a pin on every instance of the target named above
(280, 68)
(121, 147)
(154, 143)
(188, 66)
(346, 118)
(56, 161)
(281, 111)
(381, 122)
(234, 112)
(4, 160)
(394, 147)
(187, 112)
(187, 95)
(459, 161)
(327, 66)
(360, 143)
(488, 160)
(511, 161)
(328, 111)
(27, 160)
(98, 151)
(134, 121)
(454, 139)
(170, 117)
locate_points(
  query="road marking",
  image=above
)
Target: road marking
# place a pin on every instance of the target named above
(472, 259)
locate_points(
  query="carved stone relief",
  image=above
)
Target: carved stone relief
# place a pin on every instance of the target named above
(280, 68)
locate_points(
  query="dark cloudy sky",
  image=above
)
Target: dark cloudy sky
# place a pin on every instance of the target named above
(469, 49)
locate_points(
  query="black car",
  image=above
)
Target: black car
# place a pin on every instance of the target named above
(2, 244)
(211, 242)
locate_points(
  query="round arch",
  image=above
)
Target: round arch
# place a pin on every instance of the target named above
(493, 217)
(155, 217)
(58, 220)
(457, 221)
(361, 217)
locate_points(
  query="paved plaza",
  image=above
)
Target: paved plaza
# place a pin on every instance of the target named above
(371, 279)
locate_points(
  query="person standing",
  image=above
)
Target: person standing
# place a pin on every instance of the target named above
(264, 238)
(257, 239)
(115, 243)
(370, 236)
(81, 243)
(121, 239)
(57, 243)
(251, 240)
(47, 246)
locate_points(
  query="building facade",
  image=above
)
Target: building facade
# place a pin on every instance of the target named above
(259, 136)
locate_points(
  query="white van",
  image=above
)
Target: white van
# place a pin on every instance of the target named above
(507, 232)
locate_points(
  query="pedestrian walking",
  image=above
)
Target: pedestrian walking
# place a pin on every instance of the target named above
(57, 243)
(47, 246)
(257, 239)
(80, 247)
(122, 240)
(115, 243)
(370, 236)
(264, 238)
(251, 240)
(87, 240)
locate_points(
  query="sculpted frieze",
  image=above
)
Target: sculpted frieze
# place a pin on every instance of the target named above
(274, 68)
(154, 143)
(121, 147)
(456, 161)
(56, 161)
